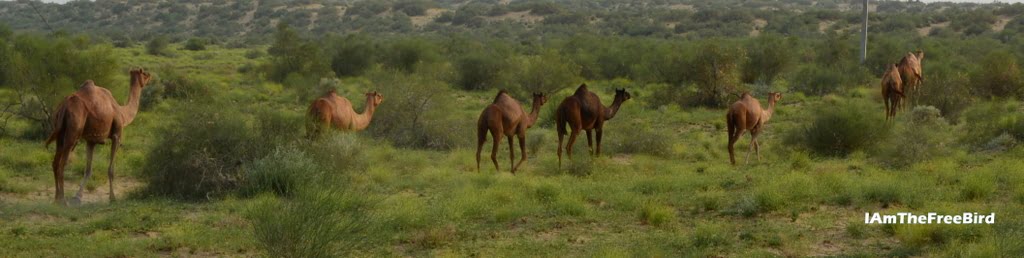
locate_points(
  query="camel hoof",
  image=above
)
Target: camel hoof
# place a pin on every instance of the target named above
(112, 198)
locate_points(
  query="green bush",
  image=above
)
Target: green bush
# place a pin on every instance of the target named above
(293, 54)
(405, 54)
(481, 71)
(352, 55)
(195, 44)
(282, 173)
(768, 58)
(911, 144)
(993, 126)
(636, 138)
(548, 72)
(416, 114)
(203, 154)
(998, 76)
(656, 215)
(715, 71)
(315, 223)
(840, 127)
(946, 89)
(158, 46)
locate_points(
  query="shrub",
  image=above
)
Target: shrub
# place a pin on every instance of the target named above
(195, 44)
(479, 71)
(158, 46)
(656, 215)
(282, 172)
(993, 125)
(406, 54)
(415, 113)
(768, 57)
(815, 80)
(636, 138)
(841, 127)
(291, 53)
(352, 55)
(715, 71)
(947, 90)
(998, 75)
(203, 153)
(910, 144)
(177, 85)
(548, 72)
(316, 223)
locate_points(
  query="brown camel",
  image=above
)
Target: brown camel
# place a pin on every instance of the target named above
(506, 117)
(892, 91)
(336, 111)
(910, 72)
(747, 114)
(584, 111)
(92, 114)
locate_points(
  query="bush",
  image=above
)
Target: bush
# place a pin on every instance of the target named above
(998, 75)
(841, 127)
(352, 55)
(158, 46)
(768, 57)
(947, 90)
(656, 215)
(480, 71)
(282, 172)
(548, 72)
(636, 138)
(406, 54)
(818, 81)
(416, 113)
(316, 223)
(993, 126)
(911, 144)
(203, 154)
(177, 85)
(195, 44)
(292, 54)
(715, 71)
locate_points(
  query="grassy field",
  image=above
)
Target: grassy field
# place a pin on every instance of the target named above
(664, 187)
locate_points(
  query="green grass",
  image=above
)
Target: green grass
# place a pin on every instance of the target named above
(662, 188)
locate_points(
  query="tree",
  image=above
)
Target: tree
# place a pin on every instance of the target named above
(195, 44)
(158, 46)
(768, 57)
(715, 71)
(547, 73)
(291, 53)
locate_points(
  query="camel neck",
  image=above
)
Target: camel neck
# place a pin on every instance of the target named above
(129, 111)
(532, 118)
(613, 109)
(362, 121)
(768, 112)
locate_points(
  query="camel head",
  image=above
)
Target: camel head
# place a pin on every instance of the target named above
(140, 76)
(377, 97)
(919, 54)
(622, 95)
(774, 97)
(540, 98)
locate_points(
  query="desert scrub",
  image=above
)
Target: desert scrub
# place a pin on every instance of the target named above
(993, 126)
(281, 172)
(925, 136)
(636, 138)
(840, 127)
(315, 223)
(657, 215)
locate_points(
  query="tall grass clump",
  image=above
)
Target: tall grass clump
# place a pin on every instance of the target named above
(993, 126)
(638, 139)
(911, 144)
(841, 127)
(315, 223)
(282, 172)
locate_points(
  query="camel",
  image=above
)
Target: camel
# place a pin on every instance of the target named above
(910, 72)
(747, 114)
(584, 111)
(892, 91)
(505, 117)
(336, 111)
(92, 114)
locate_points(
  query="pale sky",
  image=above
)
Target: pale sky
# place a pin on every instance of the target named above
(929, 1)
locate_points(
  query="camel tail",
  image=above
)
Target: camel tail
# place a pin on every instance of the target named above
(59, 121)
(730, 123)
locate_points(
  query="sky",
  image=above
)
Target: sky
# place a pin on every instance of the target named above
(971, 1)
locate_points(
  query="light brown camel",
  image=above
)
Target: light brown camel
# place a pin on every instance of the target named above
(506, 117)
(747, 114)
(911, 73)
(584, 111)
(92, 114)
(331, 110)
(892, 91)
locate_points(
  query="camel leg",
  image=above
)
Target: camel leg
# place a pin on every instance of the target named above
(89, 148)
(753, 140)
(572, 140)
(757, 145)
(481, 139)
(59, 161)
(590, 142)
(522, 148)
(599, 132)
(886, 100)
(511, 154)
(560, 135)
(115, 141)
(494, 148)
(732, 144)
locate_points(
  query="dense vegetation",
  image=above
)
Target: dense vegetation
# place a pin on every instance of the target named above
(218, 162)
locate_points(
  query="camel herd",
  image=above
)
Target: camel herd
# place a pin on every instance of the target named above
(92, 114)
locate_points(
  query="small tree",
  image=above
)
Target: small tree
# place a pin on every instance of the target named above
(548, 72)
(291, 53)
(715, 71)
(768, 57)
(998, 75)
(195, 44)
(158, 46)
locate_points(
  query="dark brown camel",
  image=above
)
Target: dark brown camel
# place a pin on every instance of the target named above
(892, 91)
(331, 110)
(747, 114)
(505, 117)
(911, 73)
(584, 111)
(92, 114)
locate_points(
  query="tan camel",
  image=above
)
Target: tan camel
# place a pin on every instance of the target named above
(506, 117)
(747, 114)
(92, 114)
(892, 91)
(336, 111)
(584, 111)
(911, 73)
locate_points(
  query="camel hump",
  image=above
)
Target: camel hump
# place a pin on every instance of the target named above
(580, 91)
(87, 83)
(500, 92)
